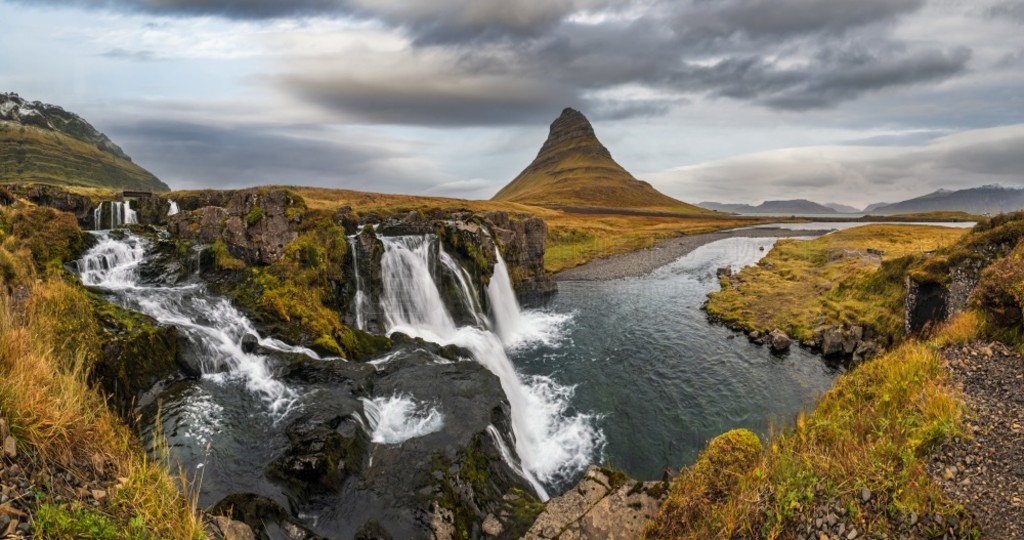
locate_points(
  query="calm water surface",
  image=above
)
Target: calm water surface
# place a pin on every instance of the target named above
(641, 354)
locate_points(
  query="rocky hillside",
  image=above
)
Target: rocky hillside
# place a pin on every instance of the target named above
(44, 143)
(573, 169)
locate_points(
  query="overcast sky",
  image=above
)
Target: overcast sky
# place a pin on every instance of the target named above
(853, 101)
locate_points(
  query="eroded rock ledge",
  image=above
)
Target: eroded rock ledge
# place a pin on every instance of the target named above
(605, 504)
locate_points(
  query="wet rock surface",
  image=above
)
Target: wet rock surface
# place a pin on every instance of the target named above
(984, 470)
(602, 505)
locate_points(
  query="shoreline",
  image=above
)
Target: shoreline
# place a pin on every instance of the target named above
(642, 262)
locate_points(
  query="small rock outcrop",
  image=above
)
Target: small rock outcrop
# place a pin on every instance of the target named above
(255, 225)
(603, 505)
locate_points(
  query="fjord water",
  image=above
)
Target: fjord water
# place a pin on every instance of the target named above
(641, 354)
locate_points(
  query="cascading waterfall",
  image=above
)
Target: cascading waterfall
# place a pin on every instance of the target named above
(214, 327)
(173, 208)
(121, 214)
(360, 297)
(552, 443)
(468, 297)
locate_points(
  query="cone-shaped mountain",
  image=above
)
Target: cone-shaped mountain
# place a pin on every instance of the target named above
(573, 169)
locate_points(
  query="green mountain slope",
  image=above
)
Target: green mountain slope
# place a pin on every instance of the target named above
(44, 143)
(573, 168)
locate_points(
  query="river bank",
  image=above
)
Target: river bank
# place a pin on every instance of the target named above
(644, 261)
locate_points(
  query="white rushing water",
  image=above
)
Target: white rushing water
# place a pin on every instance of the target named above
(212, 324)
(515, 327)
(552, 443)
(173, 209)
(360, 299)
(396, 419)
(121, 214)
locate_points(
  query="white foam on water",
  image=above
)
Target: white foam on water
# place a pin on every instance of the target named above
(520, 329)
(212, 323)
(396, 419)
(553, 443)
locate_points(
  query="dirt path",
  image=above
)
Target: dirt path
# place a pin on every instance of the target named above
(985, 472)
(645, 261)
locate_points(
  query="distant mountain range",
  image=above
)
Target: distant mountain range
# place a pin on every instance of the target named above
(992, 199)
(573, 169)
(795, 206)
(44, 143)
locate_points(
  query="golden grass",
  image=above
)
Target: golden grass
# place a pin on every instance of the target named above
(802, 285)
(48, 345)
(874, 429)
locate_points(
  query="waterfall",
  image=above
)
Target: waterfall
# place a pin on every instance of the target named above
(361, 296)
(468, 297)
(212, 325)
(398, 418)
(552, 442)
(173, 209)
(121, 213)
(515, 327)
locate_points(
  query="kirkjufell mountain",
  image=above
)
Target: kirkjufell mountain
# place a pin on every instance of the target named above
(573, 169)
(47, 144)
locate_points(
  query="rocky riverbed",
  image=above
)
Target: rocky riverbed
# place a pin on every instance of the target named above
(644, 261)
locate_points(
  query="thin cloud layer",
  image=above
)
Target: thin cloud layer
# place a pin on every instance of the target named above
(859, 174)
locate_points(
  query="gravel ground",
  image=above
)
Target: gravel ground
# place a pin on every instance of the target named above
(645, 261)
(985, 472)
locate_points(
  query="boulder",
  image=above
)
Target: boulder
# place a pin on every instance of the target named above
(323, 453)
(778, 341)
(265, 517)
(249, 343)
(724, 272)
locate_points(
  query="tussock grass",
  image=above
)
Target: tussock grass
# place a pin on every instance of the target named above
(875, 428)
(48, 345)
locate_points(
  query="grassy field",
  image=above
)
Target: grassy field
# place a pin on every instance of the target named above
(875, 430)
(802, 285)
(31, 154)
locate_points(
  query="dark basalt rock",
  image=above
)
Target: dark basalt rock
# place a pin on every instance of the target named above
(323, 452)
(266, 518)
(54, 197)
(249, 343)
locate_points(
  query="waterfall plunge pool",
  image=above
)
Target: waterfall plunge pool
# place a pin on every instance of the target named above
(641, 355)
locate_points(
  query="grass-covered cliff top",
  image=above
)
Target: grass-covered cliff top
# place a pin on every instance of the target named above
(852, 277)
(573, 238)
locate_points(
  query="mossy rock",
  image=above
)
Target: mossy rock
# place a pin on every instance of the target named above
(137, 353)
(728, 455)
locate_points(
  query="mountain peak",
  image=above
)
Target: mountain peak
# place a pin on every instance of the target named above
(573, 169)
(572, 131)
